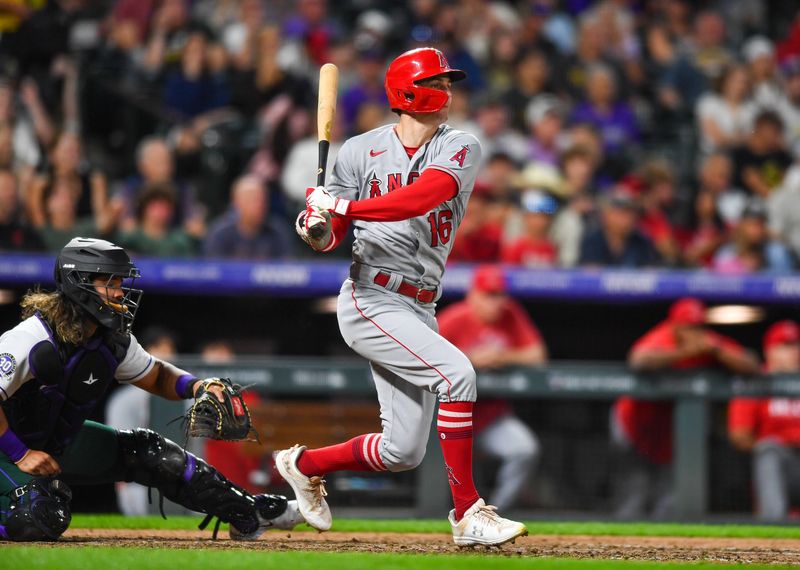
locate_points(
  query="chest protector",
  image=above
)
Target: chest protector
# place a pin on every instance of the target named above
(68, 382)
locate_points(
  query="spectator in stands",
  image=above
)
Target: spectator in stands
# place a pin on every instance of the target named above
(578, 167)
(769, 428)
(15, 235)
(602, 107)
(534, 248)
(725, 115)
(53, 207)
(256, 89)
(658, 199)
(680, 83)
(155, 234)
(494, 331)
(129, 408)
(715, 177)
(296, 175)
(790, 104)
(783, 207)
(707, 232)
(545, 121)
(618, 242)
(532, 78)
(491, 128)
(194, 88)
(480, 235)
(759, 53)
(168, 32)
(156, 165)
(367, 88)
(247, 231)
(279, 99)
(762, 161)
(751, 248)
(589, 53)
(67, 161)
(641, 430)
(706, 47)
(25, 130)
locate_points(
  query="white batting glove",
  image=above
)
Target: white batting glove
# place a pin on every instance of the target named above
(314, 227)
(322, 200)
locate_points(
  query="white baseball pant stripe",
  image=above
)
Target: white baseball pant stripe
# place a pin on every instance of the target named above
(411, 365)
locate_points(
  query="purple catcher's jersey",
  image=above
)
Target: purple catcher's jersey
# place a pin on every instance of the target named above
(375, 163)
(16, 346)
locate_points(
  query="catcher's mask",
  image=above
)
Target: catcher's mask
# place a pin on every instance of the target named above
(84, 260)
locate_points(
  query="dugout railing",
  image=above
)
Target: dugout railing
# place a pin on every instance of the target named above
(692, 393)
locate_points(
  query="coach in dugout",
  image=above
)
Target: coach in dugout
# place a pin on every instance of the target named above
(770, 429)
(494, 331)
(641, 430)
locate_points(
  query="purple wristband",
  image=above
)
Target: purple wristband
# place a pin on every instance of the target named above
(183, 386)
(12, 446)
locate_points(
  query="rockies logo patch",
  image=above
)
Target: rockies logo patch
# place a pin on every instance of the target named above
(7, 364)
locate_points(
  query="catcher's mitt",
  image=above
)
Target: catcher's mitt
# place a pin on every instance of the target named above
(210, 418)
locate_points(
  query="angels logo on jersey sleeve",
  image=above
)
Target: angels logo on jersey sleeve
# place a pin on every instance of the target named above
(460, 156)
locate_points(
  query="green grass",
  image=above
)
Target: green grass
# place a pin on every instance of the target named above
(441, 525)
(93, 558)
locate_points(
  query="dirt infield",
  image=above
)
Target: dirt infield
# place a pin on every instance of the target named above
(763, 551)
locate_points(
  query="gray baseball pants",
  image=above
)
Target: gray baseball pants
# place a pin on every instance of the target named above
(412, 365)
(776, 477)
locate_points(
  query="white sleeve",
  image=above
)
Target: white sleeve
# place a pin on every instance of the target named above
(460, 157)
(15, 346)
(135, 365)
(343, 181)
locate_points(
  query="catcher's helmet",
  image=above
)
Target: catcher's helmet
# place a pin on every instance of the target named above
(82, 261)
(407, 69)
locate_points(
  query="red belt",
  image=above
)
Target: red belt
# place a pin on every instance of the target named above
(417, 293)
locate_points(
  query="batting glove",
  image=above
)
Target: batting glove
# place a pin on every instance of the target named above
(314, 227)
(322, 200)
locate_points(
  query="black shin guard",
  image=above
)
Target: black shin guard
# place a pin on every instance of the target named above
(151, 459)
(39, 511)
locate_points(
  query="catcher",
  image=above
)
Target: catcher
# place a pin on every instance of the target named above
(56, 365)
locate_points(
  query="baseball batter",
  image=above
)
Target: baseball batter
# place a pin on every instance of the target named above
(405, 188)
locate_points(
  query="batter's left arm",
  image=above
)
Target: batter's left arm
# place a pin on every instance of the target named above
(452, 170)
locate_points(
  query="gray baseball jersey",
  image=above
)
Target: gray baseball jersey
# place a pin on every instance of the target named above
(375, 163)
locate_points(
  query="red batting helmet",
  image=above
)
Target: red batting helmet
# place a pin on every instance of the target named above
(407, 70)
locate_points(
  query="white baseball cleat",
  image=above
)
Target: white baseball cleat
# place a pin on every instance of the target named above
(287, 520)
(309, 491)
(482, 525)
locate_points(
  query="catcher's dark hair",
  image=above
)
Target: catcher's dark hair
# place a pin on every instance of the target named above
(64, 317)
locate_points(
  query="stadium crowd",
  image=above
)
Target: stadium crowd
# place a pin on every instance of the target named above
(615, 132)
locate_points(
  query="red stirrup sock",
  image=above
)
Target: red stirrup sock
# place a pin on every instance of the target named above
(454, 424)
(359, 454)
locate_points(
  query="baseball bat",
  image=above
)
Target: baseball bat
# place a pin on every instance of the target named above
(326, 108)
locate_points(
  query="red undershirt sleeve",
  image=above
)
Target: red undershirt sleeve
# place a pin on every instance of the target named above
(432, 188)
(339, 227)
